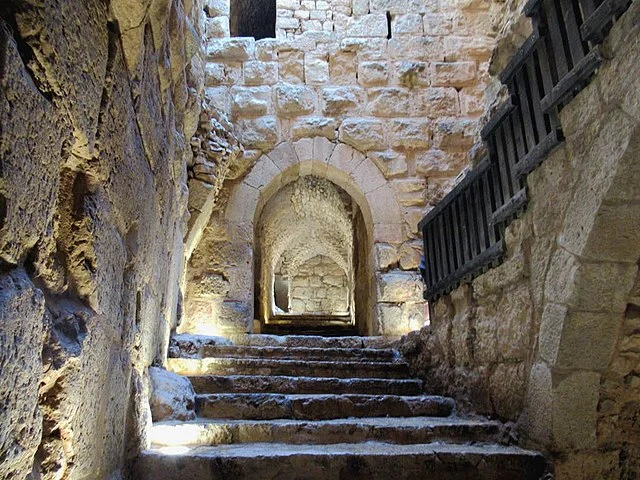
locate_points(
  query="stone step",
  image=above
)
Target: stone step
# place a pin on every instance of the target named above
(345, 430)
(252, 366)
(268, 406)
(284, 384)
(301, 353)
(316, 341)
(304, 325)
(366, 461)
(311, 341)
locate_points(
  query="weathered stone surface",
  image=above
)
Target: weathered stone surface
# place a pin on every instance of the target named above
(362, 133)
(425, 48)
(499, 463)
(386, 256)
(31, 155)
(232, 316)
(372, 25)
(235, 49)
(217, 8)
(295, 100)
(457, 74)
(411, 74)
(434, 163)
(172, 396)
(411, 134)
(260, 133)
(397, 287)
(408, 24)
(372, 73)
(253, 366)
(250, 101)
(218, 27)
(317, 407)
(391, 430)
(342, 68)
(72, 68)
(316, 69)
(390, 162)
(260, 73)
(411, 255)
(291, 66)
(21, 317)
(574, 410)
(110, 264)
(342, 100)
(223, 74)
(315, 127)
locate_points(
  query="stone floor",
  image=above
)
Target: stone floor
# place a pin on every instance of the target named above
(311, 407)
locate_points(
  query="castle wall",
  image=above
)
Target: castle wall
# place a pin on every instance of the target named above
(549, 339)
(98, 103)
(402, 83)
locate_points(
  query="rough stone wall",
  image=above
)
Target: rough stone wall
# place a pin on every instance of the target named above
(320, 286)
(550, 338)
(409, 102)
(98, 102)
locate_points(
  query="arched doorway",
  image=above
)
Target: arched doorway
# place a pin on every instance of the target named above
(224, 281)
(310, 245)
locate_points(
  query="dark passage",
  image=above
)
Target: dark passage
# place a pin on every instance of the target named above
(253, 18)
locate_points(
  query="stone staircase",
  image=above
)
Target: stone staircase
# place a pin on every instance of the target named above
(311, 407)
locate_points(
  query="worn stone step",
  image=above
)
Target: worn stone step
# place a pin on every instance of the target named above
(366, 461)
(189, 341)
(316, 341)
(314, 325)
(301, 353)
(285, 384)
(252, 366)
(267, 406)
(344, 430)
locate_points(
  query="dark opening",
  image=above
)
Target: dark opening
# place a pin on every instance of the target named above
(253, 18)
(388, 24)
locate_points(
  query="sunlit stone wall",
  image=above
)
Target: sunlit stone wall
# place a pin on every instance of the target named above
(401, 83)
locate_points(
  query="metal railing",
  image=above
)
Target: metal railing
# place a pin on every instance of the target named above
(464, 234)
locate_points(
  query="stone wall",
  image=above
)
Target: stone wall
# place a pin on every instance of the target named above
(98, 102)
(320, 286)
(396, 115)
(550, 339)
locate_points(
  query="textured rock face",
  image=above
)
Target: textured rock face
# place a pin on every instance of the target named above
(172, 396)
(22, 323)
(98, 103)
(549, 339)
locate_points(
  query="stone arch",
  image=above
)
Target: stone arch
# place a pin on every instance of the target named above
(342, 165)
(339, 163)
(588, 292)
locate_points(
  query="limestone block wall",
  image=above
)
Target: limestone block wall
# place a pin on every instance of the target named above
(550, 339)
(408, 100)
(98, 102)
(320, 286)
